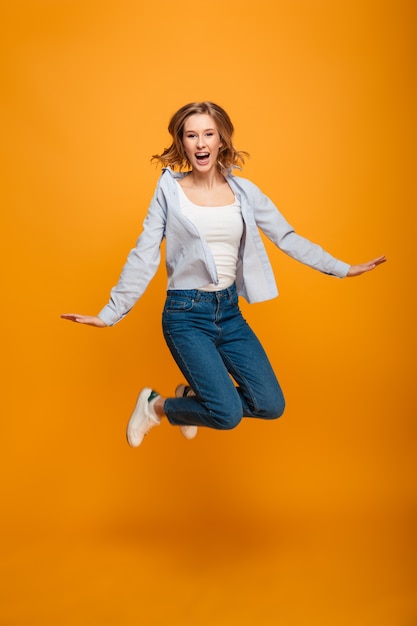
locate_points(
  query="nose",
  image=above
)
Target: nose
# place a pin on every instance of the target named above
(201, 142)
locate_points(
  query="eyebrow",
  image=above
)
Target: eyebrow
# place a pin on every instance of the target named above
(194, 131)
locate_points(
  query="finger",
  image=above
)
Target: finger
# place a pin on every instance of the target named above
(366, 267)
(73, 317)
(68, 316)
(378, 261)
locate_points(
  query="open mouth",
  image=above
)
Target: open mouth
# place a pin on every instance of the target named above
(202, 156)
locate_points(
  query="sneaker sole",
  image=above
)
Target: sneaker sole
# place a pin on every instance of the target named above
(133, 440)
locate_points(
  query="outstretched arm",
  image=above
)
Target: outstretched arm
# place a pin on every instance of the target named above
(357, 270)
(90, 320)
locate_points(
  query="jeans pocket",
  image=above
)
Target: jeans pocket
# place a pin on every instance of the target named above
(176, 304)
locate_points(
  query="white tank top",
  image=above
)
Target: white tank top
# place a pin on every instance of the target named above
(222, 228)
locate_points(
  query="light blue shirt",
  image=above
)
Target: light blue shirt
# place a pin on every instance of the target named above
(189, 262)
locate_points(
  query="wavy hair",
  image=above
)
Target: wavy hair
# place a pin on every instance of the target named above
(175, 156)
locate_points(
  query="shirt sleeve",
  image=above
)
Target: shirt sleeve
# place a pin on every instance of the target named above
(269, 219)
(141, 264)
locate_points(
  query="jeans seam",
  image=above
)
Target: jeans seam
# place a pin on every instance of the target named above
(189, 377)
(235, 371)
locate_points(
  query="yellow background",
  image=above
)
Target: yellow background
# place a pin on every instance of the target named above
(306, 521)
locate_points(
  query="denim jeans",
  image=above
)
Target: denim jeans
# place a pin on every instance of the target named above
(222, 360)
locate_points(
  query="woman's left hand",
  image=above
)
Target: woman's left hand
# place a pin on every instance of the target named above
(357, 270)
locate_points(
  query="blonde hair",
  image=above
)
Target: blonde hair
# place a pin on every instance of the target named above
(175, 156)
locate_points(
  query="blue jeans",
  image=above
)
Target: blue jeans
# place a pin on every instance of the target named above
(211, 343)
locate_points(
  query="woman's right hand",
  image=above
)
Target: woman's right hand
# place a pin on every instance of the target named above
(90, 320)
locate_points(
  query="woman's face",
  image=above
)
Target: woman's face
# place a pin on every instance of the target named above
(201, 141)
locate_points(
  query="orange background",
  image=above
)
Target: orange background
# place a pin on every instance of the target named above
(309, 520)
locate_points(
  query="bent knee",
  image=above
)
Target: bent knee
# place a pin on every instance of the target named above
(277, 411)
(274, 409)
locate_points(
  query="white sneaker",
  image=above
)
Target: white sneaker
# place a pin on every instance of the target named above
(143, 417)
(189, 431)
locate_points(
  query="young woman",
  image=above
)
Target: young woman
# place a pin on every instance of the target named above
(214, 254)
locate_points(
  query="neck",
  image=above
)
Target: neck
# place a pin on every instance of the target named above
(206, 179)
